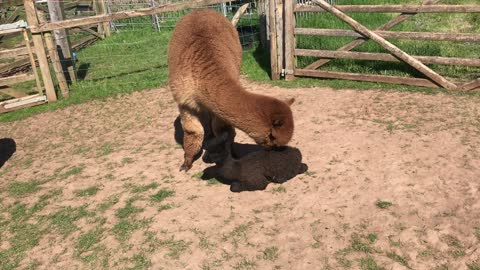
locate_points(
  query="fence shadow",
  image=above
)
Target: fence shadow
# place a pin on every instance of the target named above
(7, 148)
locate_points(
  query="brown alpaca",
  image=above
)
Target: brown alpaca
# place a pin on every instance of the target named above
(204, 60)
(255, 170)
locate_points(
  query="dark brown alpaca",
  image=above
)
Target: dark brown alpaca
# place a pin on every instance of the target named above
(204, 60)
(255, 170)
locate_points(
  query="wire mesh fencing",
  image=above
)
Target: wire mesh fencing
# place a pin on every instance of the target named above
(134, 57)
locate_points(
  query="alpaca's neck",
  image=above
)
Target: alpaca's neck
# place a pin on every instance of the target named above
(236, 105)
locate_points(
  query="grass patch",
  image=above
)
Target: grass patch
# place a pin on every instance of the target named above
(64, 220)
(175, 247)
(477, 232)
(90, 191)
(383, 204)
(363, 243)
(143, 188)
(87, 247)
(127, 61)
(473, 266)
(139, 261)
(78, 169)
(245, 264)
(397, 258)
(123, 229)
(279, 189)
(20, 189)
(109, 202)
(162, 195)
(369, 263)
(270, 253)
(128, 210)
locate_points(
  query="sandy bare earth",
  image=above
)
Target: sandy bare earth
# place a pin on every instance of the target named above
(393, 183)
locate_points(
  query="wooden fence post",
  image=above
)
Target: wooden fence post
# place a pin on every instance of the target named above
(55, 9)
(40, 51)
(103, 10)
(274, 65)
(387, 45)
(54, 58)
(289, 39)
(279, 35)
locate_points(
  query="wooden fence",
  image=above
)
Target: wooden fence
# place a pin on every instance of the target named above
(284, 50)
(41, 50)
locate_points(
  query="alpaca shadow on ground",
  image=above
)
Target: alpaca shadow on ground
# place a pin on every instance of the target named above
(7, 149)
(282, 170)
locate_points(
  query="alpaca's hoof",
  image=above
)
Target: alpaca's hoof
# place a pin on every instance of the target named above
(185, 167)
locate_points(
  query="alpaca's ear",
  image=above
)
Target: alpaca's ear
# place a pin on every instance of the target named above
(290, 101)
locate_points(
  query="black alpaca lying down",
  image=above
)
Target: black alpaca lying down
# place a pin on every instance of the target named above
(255, 170)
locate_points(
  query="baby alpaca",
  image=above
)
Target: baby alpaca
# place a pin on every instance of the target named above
(255, 170)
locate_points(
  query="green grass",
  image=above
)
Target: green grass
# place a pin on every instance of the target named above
(64, 220)
(123, 229)
(128, 210)
(270, 253)
(397, 258)
(19, 189)
(383, 204)
(143, 188)
(369, 263)
(125, 62)
(162, 195)
(90, 191)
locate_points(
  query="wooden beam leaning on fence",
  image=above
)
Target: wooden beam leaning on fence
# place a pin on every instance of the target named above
(357, 42)
(387, 45)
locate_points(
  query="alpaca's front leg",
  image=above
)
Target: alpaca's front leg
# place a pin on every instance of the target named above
(192, 137)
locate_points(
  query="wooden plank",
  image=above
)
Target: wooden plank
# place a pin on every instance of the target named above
(289, 39)
(16, 79)
(12, 92)
(10, 31)
(275, 74)
(469, 86)
(357, 42)
(90, 31)
(62, 40)
(13, 53)
(23, 102)
(44, 27)
(364, 77)
(472, 62)
(396, 8)
(387, 45)
(32, 62)
(460, 37)
(40, 51)
(239, 14)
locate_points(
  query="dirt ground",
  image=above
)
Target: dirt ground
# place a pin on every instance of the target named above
(393, 183)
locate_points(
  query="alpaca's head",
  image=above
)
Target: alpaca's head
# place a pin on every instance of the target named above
(280, 127)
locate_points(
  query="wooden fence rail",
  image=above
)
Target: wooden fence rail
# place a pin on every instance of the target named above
(396, 8)
(379, 36)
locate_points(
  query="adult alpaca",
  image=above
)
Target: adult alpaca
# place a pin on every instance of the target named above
(204, 60)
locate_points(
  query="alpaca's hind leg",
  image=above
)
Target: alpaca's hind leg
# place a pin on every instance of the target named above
(192, 137)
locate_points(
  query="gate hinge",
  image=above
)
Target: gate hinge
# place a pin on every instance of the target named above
(287, 72)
